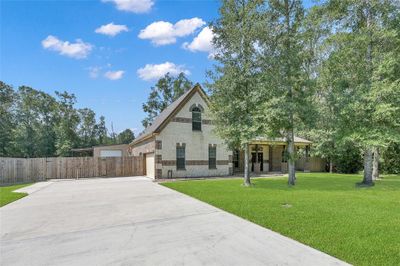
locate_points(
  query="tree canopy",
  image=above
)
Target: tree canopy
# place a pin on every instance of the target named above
(235, 96)
(330, 73)
(36, 124)
(166, 91)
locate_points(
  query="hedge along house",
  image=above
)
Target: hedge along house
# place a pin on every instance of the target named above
(181, 143)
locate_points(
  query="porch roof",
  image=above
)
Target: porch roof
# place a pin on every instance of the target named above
(264, 140)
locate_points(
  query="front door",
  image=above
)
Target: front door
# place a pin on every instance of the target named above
(260, 160)
(257, 159)
(253, 160)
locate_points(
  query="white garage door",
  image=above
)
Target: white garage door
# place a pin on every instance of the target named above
(110, 153)
(150, 165)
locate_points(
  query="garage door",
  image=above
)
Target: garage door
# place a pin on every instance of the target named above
(110, 153)
(150, 165)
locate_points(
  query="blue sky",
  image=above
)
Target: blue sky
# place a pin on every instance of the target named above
(25, 61)
(60, 45)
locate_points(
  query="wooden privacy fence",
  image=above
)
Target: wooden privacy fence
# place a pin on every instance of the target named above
(18, 170)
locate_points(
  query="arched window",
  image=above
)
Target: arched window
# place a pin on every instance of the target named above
(196, 118)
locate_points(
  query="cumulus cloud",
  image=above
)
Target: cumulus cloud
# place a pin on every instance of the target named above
(111, 29)
(152, 72)
(163, 33)
(202, 42)
(77, 50)
(114, 75)
(134, 6)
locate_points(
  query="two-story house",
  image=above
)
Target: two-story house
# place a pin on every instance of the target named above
(181, 143)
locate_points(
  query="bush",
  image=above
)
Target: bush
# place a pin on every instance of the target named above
(348, 159)
(390, 163)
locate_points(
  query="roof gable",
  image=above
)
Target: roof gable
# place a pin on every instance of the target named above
(164, 117)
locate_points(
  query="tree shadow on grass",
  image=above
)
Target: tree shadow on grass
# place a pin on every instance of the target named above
(333, 184)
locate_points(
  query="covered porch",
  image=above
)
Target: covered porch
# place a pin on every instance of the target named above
(270, 156)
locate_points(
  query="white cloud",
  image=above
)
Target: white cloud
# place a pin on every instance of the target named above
(77, 50)
(94, 72)
(111, 29)
(152, 72)
(202, 42)
(114, 75)
(187, 26)
(163, 33)
(135, 6)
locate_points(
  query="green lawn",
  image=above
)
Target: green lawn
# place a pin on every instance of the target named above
(325, 211)
(7, 195)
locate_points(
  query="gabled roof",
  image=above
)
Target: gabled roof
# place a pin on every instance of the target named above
(162, 119)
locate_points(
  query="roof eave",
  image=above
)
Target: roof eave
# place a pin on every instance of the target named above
(138, 141)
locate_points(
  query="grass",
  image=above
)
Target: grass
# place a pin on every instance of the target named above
(326, 211)
(7, 195)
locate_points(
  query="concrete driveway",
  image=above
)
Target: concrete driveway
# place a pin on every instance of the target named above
(133, 221)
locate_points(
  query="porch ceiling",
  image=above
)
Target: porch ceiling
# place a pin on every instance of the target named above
(280, 141)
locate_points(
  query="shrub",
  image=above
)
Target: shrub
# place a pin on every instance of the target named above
(348, 159)
(390, 159)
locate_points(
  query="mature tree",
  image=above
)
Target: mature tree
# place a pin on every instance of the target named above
(235, 94)
(126, 136)
(362, 66)
(101, 133)
(87, 128)
(287, 64)
(323, 129)
(113, 136)
(67, 124)
(35, 124)
(7, 118)
(34, 134)
(167, 90)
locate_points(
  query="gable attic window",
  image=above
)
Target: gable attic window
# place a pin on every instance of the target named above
(196, 119)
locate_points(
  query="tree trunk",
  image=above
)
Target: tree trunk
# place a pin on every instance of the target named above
(375, 164)
(291, 162)
(246, 166)
(368, 158)
(330, 166)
